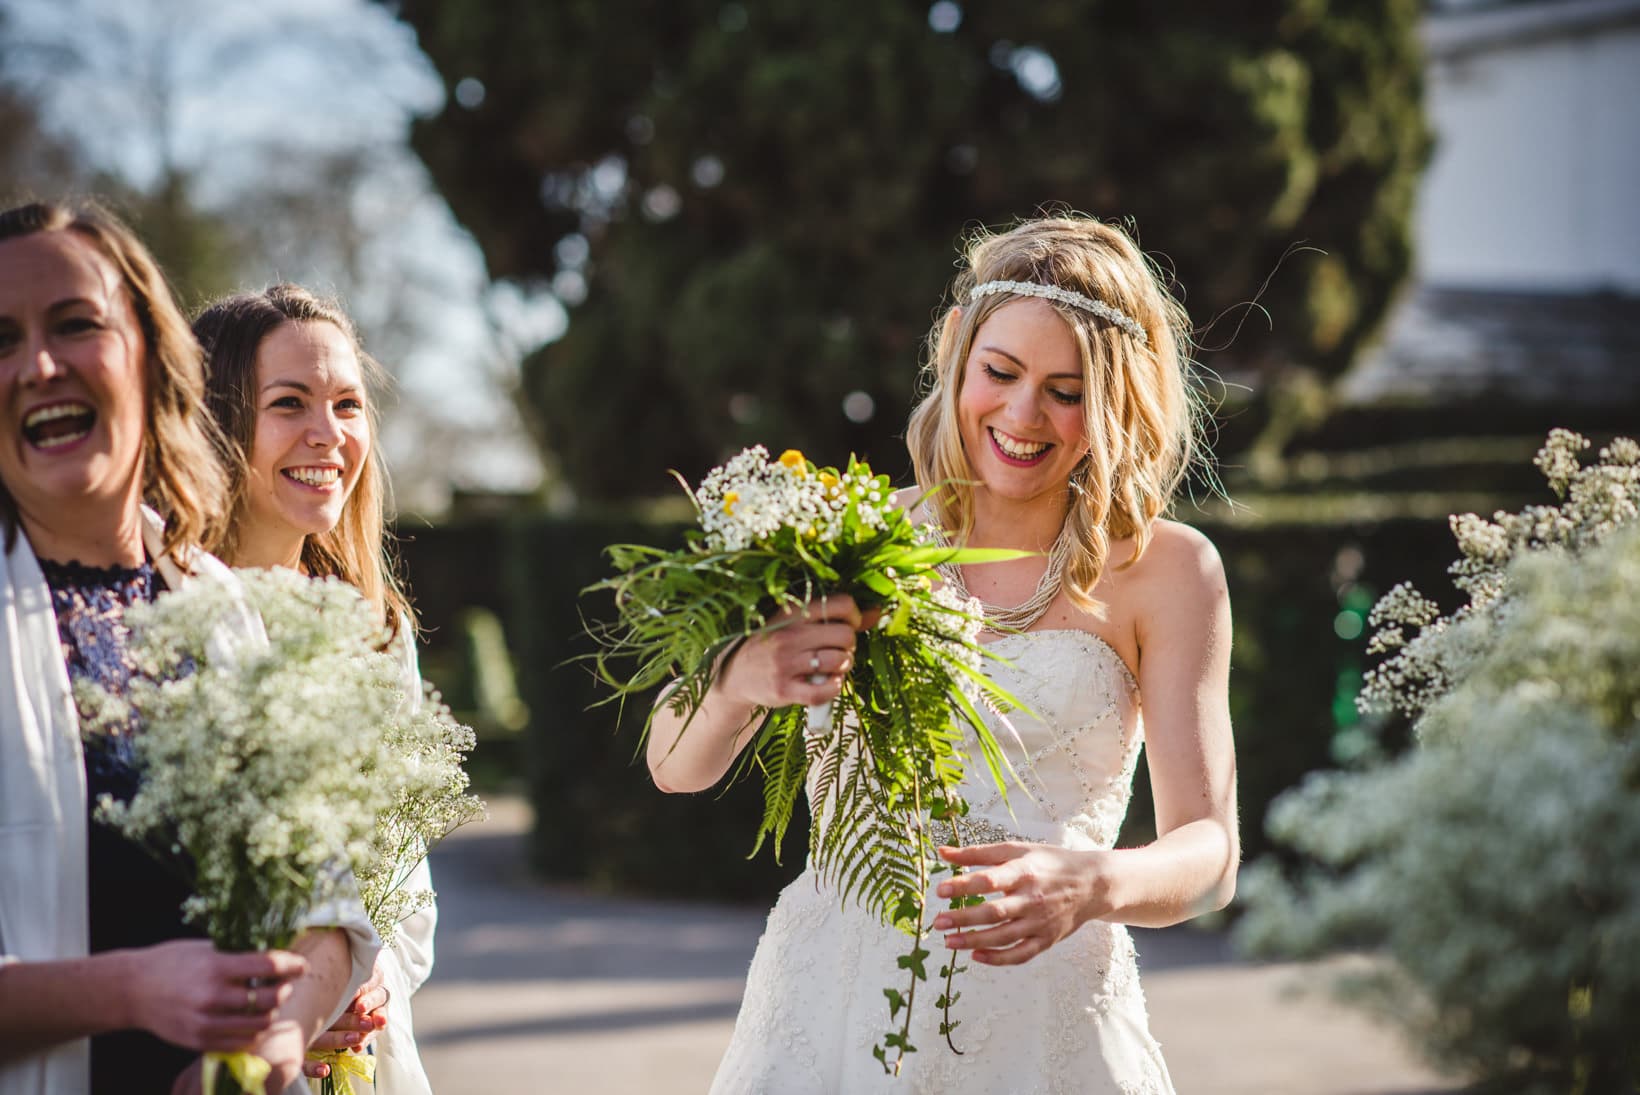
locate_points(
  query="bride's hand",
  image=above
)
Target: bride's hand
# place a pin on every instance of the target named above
(1047, 893)
(800, 657)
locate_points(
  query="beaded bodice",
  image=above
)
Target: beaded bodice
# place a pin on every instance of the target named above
(1074, 750)
(1073, 747)
(1071, 1022)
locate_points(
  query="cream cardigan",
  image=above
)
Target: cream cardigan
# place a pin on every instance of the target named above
(406, 964)
(43, 890)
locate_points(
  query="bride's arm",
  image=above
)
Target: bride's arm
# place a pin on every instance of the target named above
(1184, 679)
(1190, 868)
(801, 657)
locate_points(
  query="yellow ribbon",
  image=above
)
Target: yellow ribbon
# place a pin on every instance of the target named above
(345, 1065)
(249, 1070)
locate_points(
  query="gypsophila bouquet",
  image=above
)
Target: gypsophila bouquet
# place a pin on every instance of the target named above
(1496, 864)
(278, 774)
(883, 763)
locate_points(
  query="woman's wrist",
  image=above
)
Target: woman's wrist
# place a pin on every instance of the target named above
(1101, 885)
(112, 992)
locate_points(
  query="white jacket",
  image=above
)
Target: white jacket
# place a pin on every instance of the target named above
(406, 964)
(44, 914)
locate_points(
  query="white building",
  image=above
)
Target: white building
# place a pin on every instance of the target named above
(1527, 277)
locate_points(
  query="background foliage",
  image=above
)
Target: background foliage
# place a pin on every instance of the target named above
(759, 203)
(1496, 866)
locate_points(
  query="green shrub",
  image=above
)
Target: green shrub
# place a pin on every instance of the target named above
(1497, 864)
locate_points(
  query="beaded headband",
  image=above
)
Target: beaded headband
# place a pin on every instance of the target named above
(1063, 296)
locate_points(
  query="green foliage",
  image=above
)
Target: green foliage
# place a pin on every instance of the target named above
(1496, 865)
(774, 537)
(762, 200)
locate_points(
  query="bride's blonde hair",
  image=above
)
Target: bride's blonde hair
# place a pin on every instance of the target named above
(1142, 412)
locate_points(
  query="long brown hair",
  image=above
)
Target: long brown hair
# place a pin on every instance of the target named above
(182, 449)
(1142, 412)
(358, 549)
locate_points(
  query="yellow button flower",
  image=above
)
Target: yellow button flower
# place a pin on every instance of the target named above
(730, 497)
(793, 459)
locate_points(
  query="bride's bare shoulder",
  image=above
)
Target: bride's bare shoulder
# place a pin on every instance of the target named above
(1180, 559)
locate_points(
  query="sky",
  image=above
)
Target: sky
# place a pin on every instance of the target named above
(221, 89)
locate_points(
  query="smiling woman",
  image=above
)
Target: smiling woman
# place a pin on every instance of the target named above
(293, 388)
(1057, 421)
(112, 352)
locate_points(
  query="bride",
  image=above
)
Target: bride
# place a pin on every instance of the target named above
(1059, 411)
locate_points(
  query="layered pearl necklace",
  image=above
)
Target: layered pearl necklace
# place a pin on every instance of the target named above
(1020, 617)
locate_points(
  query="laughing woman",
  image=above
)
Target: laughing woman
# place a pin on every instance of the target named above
(102, 987)
(291, 387)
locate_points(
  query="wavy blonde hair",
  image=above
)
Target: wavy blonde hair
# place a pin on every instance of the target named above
(359, 549)
(182, 449)
(1143, 414)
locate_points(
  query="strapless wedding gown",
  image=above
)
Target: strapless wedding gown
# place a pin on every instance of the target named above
(1070, 1020)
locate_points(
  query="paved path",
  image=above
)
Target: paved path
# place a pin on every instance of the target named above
(543, 988)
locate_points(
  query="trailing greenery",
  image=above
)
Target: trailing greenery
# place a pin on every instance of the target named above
(1496, 865)
(883, 762)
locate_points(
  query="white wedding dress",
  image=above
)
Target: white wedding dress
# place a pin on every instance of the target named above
(1070, 1020)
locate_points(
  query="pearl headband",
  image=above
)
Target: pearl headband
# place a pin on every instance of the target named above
(1063, 296)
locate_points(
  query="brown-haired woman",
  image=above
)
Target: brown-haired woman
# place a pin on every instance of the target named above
(293, 389)
(102, 382)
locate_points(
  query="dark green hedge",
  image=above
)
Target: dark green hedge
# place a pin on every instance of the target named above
(599, 818)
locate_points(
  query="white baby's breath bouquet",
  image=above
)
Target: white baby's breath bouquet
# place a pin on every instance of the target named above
(281, 775)
(884, 762)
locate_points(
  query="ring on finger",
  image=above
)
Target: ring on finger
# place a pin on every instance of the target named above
(814, 661)
(250, 1000)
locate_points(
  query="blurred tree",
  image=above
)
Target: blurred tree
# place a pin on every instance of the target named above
(250, 144)
(195, 246)
(752, 208)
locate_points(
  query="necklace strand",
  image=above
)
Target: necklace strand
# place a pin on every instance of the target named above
(1021, 616)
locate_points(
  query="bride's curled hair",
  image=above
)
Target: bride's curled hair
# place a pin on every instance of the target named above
(1142, 412)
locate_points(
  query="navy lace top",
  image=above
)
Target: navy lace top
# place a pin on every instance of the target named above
(134, 898)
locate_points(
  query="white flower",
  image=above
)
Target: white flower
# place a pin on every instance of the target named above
(272, 770)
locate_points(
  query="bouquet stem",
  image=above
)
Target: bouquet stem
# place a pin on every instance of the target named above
(347, 1069)
(233, 1073)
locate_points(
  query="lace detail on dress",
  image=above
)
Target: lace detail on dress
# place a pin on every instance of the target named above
(1080, 739)
(90, 604)
(1071, 1021)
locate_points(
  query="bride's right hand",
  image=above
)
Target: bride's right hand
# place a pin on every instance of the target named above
(801, 656)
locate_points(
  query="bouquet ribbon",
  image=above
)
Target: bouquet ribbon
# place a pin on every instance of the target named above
(345, 1066)
(249, 1070)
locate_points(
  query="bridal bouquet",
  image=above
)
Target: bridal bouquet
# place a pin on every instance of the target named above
(279, 774)
(886, 758)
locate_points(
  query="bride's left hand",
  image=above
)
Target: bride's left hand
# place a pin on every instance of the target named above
(1047, 893)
